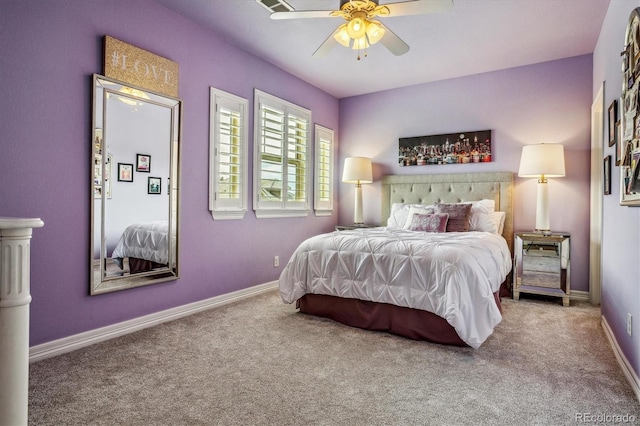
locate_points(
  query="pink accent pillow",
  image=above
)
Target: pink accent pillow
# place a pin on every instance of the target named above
(458, 216)
(436, 222)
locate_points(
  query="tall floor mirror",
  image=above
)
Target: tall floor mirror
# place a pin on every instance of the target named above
(135, 187)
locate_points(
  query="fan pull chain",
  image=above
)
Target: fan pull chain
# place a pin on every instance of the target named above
(365, 52)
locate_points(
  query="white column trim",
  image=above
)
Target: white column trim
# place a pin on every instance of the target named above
(15, 297)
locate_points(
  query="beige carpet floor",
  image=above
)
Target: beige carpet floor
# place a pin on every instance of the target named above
(259, 362)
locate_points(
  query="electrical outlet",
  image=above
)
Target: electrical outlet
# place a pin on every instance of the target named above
(276, 261)
(629, 324)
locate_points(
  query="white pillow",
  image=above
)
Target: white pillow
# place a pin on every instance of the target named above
(417, 209)
(498, 218)
(483, 206)
(399, 214)
(479, 219)
(482, 222)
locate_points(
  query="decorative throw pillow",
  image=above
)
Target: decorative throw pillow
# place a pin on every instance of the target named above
(436, 222)
(400, 214)
(458, 216)
(417, 208)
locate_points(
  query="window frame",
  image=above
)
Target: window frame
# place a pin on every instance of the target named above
(290, 114)
(229, 210)
(323, 207)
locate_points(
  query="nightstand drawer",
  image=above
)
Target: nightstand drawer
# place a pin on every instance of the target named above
(550, 264)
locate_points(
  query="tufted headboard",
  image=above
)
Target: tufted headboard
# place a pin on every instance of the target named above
(451, 188)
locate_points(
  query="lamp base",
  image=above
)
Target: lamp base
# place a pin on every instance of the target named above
(542, 207)
(357, 209)
(545, 232)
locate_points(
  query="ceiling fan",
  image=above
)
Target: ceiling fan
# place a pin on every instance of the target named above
(361, 30)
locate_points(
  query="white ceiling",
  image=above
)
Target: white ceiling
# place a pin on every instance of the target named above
(475, 36)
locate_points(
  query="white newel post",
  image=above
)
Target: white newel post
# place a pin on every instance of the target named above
(15, 297)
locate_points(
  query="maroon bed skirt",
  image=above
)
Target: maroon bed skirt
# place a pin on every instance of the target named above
(141, 265)
(411, 323)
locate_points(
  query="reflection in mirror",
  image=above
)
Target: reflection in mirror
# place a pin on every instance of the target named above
(135, 157)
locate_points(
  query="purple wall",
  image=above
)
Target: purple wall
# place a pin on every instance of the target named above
(548, 102)
(48, 52)
(621, 225)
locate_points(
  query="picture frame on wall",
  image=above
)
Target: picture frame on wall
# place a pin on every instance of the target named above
(449, 148)
(125, 172)
(633, 186)
(607, 175)
(154, 185)
(629, 134)
(613, 122)
(143, 163)
(619, 144)
(630, 175)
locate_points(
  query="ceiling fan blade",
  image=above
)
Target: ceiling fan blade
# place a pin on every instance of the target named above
(393, 42)
(327, 46)
(418, 7)
(303, 14)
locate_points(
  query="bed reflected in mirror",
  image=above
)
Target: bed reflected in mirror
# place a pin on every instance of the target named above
(135, 181)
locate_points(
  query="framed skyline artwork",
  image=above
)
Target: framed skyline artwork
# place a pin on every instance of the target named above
(449, 148)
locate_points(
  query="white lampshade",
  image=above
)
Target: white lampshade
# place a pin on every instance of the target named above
(357, 170)
(542, 159)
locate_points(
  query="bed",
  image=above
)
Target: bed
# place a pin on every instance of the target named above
(144, 245)
(442, 287)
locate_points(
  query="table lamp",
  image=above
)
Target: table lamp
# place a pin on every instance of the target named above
(542, 161)
(357, 170)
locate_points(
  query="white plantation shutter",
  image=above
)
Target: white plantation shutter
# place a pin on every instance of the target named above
(323, 190)
(271, 166)
(297, 161)
(281, 162)
(228, 180)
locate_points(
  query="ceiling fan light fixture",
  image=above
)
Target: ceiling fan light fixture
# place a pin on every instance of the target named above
(375, 32)
(342, 36)
(360, 43)
(133, 92)
(360, 26)
(357, 28)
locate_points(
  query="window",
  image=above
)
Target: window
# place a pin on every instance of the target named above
(281, 158)
(323, 191)
(228, 156)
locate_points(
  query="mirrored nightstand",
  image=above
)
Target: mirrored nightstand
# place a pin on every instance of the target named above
(542, 265)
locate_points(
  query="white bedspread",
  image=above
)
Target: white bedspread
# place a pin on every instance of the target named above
(145, 241)
(453, 275)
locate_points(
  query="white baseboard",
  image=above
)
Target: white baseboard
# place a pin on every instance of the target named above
(631, 375)
(77, 341)
(580, 295)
